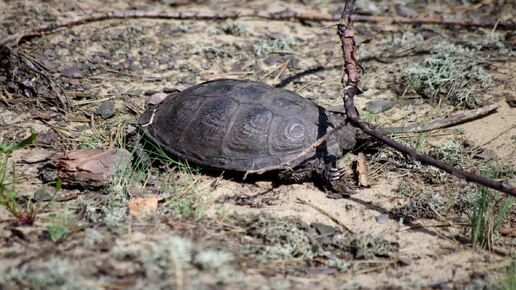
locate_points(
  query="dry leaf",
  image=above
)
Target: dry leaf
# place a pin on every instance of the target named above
(362, 171)
(508, 231)
(141, 205)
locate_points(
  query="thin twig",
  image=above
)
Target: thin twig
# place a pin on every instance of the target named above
(351, 89)
(454, 119)
(283, 15)
(326, 213)
(498, 136)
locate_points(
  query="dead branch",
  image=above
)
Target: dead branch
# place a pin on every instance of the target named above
(454, 119)
(351, 89)
(283, 15)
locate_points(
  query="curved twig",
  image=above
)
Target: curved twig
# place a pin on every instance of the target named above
(286, 14)
(351, 89)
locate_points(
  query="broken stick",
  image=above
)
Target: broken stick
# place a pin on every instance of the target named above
(283, 15)
(454, 119)
(351, 89)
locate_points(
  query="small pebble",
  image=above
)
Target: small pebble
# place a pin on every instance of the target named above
(42, 195)
(323, 229)
(37, 155)
(511, 99)
(156, 98)
(379, 105)
(382, 219)
(106, 110)
(404, 260)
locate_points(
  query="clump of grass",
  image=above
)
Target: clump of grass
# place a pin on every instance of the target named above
(408, 38)
(489, 212)
(214, 51)
(452, 152)
(283, 239)
(421, 204)
(452, 74)
(398, 159)
(177, 256)
(60, 226)
(92, 237)
(219, 263)
(186, 200)
(274, 44)
(56, 274)
(508, 281)
(8, 196)
(369, 247)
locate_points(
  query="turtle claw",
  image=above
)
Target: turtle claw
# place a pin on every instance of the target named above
(334, 173)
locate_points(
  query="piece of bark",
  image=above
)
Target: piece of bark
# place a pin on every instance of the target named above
(92, 168)
(362, 171)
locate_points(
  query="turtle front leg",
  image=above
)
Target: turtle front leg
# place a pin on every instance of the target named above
(335, 181)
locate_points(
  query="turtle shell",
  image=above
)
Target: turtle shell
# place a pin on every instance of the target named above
(240, 125)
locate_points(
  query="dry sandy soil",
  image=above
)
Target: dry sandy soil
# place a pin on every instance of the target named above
(212, 232)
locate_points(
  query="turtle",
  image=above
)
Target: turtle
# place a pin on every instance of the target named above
(244, 125)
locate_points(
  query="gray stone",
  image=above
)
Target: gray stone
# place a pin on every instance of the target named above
(37, 155)
(511, 99)
(379, 105)
(323, 230)
(42, 195)
(106, 110)
(382, 219)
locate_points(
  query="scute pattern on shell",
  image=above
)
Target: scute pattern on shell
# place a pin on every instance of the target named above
(236, 125)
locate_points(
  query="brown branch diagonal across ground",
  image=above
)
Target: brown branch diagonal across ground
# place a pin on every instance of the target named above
(282, 15)
(351, 89)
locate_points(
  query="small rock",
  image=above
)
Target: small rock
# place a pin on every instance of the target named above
(106, 110)
(62, 44)
(130, 129)
(485, 155)
(276, 58)
(156, 99)
(404, 260)
(42, 195)
(37, 155)
(511, 99)
(379, 105)
(150, 93)
(45, 114)
(49, 53)
(179, 88)
(73, 72)
(405, 11)
(382, 219)
(293, 63)
(164, 60)
(348, 206)
(47, 138)
(323, 230)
